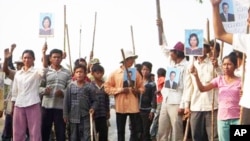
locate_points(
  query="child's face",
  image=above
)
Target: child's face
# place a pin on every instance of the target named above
(79, 74)
(98, 75)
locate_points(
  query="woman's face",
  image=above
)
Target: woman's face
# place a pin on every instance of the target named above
(228, 67)
(193, 42)
(145, 71)
(28, 60)
(46, 23)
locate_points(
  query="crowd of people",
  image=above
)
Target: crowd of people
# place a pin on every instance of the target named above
(204, 89)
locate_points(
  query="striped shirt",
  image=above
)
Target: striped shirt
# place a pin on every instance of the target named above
(56, 80)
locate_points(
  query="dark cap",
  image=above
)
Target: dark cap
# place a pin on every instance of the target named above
(179, 46)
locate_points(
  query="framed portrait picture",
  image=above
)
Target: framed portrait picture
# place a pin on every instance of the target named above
(172, 78)
(46, 25)
(227, 11)
(132, 74)
(194, 42)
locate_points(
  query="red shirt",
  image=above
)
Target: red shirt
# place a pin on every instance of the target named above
(160, 84)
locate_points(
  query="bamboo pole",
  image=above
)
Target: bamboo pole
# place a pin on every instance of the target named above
(70, 63)
(243, 78)
(221, 50)
(208, 31)
(93, 41)
(160, 27)
(80, 42)
(132, 37)
(213, 94)
(64, 28)
(186, 130)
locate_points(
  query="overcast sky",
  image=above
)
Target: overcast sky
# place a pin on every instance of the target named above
(20, 24)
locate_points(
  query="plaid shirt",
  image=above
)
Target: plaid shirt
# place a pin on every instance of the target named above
(103, 100)
(78, 101)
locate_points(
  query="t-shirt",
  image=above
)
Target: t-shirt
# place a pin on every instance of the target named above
(228, 98)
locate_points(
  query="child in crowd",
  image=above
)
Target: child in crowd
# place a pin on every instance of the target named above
(79, 103)
(102, 113)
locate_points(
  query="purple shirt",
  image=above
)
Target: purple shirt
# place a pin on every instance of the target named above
(228, 98)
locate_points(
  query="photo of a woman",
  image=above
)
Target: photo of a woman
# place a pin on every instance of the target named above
(46, 25)
(192, 47)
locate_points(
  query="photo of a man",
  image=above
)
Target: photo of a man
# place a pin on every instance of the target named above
(225, 15)
(126, 82)
(171, 82)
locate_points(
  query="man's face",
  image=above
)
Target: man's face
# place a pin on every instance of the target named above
(56, 59)
(172, 76)
(225, 9)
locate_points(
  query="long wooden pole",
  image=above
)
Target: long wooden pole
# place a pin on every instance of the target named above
(243, 78)
(80, 42)
(221, 50)
(93, 41)
(160, 27)
(132, 37)
(64, 28)
(213, 94)
(208, 31)
(67, 31)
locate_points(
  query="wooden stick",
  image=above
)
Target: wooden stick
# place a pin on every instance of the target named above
(91, 126)
(160, 27)
(208, 31)
(213, 94)
(126, 69)
(132, 36)
(70, 64)
(186, 130)
(80, 42)
(221, 50)
(93, 41)
(64, 41)
(243, 78)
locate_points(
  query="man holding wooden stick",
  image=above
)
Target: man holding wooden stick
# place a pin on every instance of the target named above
(240, 42)
(126, 98)
(197, 103)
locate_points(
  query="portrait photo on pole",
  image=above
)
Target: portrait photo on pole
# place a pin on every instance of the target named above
(193, 42)
(132, 74)
(46, 25)
(172, 78)
(227, 11)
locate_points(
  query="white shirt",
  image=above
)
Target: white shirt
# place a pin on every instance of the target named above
(25, 90)
(241, 42)
(200, 101)
(172, 96)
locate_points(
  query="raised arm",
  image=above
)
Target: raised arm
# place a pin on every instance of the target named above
(219, 30)
(201, 87)
(44, 58)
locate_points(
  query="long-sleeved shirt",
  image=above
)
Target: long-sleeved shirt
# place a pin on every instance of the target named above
(55, 80)
(175, 96)
(103, 100)
(196, 100)
(241, 43)
(148, 98)
(25, 90)
(124, 102)
(78, 101)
